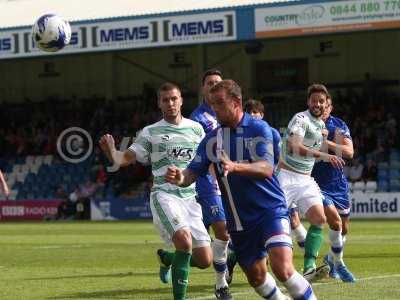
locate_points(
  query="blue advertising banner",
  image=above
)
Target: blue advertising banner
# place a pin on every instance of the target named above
(120, 208)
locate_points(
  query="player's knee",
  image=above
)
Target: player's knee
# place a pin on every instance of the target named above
(335, 224)
(205, 259)
(318, 220)
(204, 263)
(256, 280)
(283, 271)
(202, 257)
(220, 231)
(182, 240)
(222, 235)
(283, 268)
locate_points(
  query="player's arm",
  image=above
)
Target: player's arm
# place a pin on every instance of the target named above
(4, 186)
(342, 146)
(259, 169)
(295, 145)
(180, 178)
(120, 158)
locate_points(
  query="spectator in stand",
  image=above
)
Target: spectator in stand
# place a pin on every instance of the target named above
(101, 176)
(356, 170)
(370, 171)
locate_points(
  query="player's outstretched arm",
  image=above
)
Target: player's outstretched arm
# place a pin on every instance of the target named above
(342, 146)
(259, 169)
(4, 186)
(295, 144)
(178, 177)
(120, 158)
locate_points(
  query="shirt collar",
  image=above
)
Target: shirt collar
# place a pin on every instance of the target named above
(208, 108)
(244, 122)
(329, 120)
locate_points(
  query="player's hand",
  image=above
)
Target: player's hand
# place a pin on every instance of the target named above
(174, 175)
(107, 143)
(336, 161)
(6, 191)
(324, 133)
(228, 166)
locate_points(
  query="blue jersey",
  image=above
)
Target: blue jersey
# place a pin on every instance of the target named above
(206, 185)
(332, 180)
(247, 201)
(276, 138)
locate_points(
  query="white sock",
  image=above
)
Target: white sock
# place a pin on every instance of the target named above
(344, 239)
(300, 234)
(269, 289)
(335, 237)
(299, 288)
(220, 254)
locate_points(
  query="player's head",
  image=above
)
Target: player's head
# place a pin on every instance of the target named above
(226, 101)
(169, 100)
(317, 95)
(209, 79)
(254, 108)
(328, 108)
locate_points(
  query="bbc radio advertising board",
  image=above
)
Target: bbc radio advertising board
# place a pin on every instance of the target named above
(326, 17)
(129, 34)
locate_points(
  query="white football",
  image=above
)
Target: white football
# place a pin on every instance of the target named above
(51, 33)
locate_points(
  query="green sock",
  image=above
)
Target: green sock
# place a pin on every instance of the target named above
(180, 274)
(168, 257)
(312, 245)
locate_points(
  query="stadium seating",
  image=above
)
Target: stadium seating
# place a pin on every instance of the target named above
(38, 177)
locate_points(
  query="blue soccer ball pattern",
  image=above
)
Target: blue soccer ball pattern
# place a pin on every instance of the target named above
(51, 33)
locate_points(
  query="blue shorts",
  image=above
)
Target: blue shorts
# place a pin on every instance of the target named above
(340, 201)
(253, 244)
(212, 209)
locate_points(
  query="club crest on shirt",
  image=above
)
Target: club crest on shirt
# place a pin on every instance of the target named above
(214, 209)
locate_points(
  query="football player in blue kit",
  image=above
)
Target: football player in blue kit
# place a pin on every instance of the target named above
(208, 193)
(335, 189)
(241, 153)
(256, 109)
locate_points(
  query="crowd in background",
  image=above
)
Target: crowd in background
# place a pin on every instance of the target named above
(32, 129)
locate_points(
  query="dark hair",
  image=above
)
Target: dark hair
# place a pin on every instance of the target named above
(209, 73)
(253, 105)
(317, 88)
(167, 86)
(230, 86)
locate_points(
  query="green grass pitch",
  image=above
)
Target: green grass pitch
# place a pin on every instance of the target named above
(116, 260)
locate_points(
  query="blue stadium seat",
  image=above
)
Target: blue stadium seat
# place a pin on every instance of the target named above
(382, 174)
(383, 166)
(395, 164)
(383, 186)
(395, 154)
(394, 185)
(20, 160)
(394, 174)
